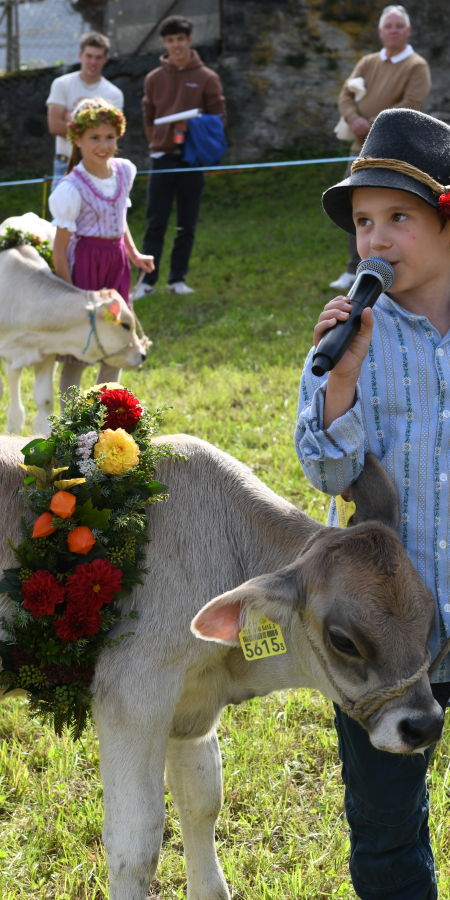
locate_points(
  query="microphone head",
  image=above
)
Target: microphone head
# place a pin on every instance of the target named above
(380, 267)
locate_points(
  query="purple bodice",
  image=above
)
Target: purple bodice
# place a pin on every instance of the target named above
(100, 217)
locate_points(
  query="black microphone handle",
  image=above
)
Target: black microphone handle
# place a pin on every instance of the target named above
(336, 340)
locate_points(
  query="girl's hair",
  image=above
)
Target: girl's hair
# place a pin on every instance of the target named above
(91, 114)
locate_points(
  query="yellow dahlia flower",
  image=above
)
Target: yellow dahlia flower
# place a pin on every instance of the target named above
(109, 385)
(119, 449)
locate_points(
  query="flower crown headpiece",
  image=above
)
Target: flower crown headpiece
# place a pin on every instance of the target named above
(91, 117)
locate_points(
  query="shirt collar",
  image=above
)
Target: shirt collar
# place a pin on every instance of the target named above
(388, 303)
(399, 57)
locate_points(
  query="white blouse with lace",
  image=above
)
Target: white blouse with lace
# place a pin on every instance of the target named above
(65, 201)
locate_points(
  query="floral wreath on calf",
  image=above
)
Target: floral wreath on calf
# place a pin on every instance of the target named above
(88, 483)
(14, 237)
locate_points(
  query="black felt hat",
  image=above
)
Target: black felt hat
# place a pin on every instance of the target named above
(397, 134)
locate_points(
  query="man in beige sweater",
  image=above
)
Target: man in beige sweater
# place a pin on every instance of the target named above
(394, 77)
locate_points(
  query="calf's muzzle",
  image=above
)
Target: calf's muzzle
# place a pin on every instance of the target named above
(417, 733)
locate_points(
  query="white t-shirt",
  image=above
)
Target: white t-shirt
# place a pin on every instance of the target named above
(65, 201)
(67, 90)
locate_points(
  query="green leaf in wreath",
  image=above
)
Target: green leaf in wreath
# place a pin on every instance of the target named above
(6, 657)
(11, 584)
(81, 511)
(97, 518)
(38, 451)
(156, 487)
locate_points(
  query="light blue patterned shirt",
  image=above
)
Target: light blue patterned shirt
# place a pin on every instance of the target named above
(402, 415)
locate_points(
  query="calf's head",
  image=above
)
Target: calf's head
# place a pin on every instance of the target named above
(116, 327)
(355, 616)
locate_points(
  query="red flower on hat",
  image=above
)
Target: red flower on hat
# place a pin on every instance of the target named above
(41, 592)
(78, 622)
(444, 206)
(124, 409)
(93, 584)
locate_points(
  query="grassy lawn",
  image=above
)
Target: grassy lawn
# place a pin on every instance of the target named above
(228, 360)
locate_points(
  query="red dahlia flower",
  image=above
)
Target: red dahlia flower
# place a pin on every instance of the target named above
(93, 584)
(78, 622)
(124, 409)
(41, 592)
(444, 206)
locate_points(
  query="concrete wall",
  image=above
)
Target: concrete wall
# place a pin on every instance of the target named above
(282, 64)
(128, 22)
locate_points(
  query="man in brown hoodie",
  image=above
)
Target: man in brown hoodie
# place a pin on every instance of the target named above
(182, 82)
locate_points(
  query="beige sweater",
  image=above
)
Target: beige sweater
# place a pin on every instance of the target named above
(389, 85)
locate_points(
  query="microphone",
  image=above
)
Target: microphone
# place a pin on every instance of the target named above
(374, 276)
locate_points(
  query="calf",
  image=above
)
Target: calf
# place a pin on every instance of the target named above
(42, 315)
(354, 615)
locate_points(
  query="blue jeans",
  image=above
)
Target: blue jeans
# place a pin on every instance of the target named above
(59, 170)
(387, 806)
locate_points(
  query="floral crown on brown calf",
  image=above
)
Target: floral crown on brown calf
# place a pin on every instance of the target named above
(397, 165)
(92, 117)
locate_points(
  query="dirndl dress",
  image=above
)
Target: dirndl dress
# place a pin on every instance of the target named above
(95, 211)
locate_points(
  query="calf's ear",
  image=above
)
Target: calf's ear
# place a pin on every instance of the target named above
(374, 495)
(274, 596)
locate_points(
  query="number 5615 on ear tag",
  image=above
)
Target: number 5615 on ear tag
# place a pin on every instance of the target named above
(264, 640)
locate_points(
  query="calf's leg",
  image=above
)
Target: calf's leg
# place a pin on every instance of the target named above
(16, 410)
(132, 755)
(108, 373)
(194, 778)
(43, 394)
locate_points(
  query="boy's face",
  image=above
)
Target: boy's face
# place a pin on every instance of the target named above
(178, 47)
(92, 61)
(405, 231)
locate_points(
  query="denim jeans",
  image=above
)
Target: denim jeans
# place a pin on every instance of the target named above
(387, 806)
(59, 170)
(187, 189)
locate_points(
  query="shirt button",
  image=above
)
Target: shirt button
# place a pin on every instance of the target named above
(439, 351)
(442, 544)
(446, 413)
(442, 477)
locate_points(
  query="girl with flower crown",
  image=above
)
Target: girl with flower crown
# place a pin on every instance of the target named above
(93, 244)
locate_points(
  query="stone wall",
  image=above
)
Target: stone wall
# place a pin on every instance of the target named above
(282, 64)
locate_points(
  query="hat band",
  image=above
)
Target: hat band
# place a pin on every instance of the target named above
(397, 165)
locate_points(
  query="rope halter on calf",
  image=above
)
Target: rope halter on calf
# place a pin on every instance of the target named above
(369, 703)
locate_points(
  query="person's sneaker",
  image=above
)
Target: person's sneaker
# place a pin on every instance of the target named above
(144, 290)
(180, 287)
(344, 282)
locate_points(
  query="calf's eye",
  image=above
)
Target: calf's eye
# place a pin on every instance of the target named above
(125, 325)
(343, 644)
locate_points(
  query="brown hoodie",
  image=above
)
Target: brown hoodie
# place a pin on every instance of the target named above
(170, 90)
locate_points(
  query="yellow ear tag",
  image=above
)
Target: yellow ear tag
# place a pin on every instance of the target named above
(262, 640)
(345, 510)
(110, 317)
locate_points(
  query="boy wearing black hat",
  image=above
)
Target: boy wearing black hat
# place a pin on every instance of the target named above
(390, 394)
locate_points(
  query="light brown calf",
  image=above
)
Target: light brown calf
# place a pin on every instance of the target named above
(354, 615)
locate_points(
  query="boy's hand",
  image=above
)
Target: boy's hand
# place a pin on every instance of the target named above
(341, 384)
(338, 310)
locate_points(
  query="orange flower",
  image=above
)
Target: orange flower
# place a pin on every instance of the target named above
(43, 526)
(63, 504)
(80, 540)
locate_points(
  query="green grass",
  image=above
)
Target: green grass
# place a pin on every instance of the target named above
(228, 360)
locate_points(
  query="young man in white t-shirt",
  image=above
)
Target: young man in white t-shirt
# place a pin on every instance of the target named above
(67, 90)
